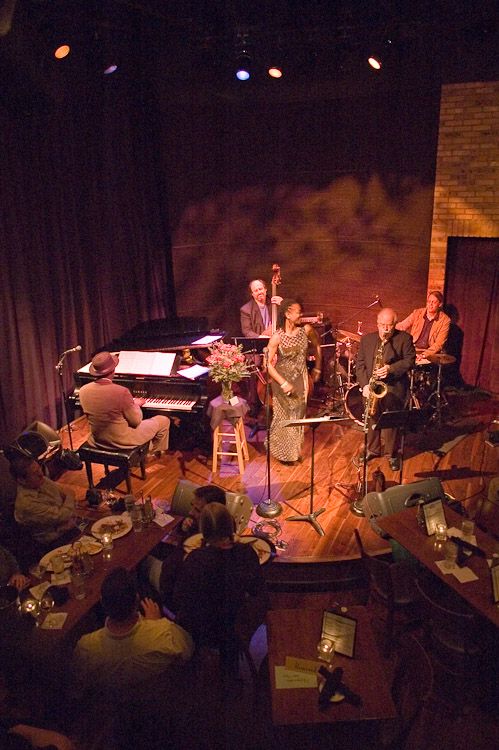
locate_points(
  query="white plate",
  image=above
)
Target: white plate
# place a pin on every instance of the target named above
(46, 560)
(90, 545)
(118, 526)
(261, 546)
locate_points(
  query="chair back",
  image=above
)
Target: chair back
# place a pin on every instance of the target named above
(391, 582)
(239, 506)
(454, 632)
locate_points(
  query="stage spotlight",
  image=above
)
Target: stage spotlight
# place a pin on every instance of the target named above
(375, 62)
(275, 71)
(62, 51)
(243, 65)
(110, 69)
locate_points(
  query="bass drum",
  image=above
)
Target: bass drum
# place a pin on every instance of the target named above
(354, 404)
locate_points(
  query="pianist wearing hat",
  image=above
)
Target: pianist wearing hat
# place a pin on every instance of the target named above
(114, 416)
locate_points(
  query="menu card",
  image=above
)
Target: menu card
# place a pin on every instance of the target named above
(494, 574)
(342, 630)
(433, 514)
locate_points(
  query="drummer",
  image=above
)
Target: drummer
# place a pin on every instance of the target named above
(428, 326)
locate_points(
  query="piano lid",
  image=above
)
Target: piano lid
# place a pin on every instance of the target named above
(166, 334)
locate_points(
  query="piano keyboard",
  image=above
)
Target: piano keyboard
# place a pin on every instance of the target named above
(169, 404)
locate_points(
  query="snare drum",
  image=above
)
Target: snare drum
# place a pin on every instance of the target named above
(354, 404)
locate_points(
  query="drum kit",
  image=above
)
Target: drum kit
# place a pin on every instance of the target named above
(345, 394)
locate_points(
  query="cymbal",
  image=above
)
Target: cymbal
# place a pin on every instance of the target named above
(441, 359)
(349, 335)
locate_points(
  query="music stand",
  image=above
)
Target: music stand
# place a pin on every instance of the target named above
(314, 423)
(405, 419)
(256, 345)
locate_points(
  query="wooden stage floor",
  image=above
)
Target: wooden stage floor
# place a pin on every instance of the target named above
(457, 453)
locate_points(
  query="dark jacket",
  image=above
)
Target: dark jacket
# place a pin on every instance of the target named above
(251, 319)
(398, 352)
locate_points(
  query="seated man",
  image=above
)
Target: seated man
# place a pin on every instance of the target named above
(428, 326)
(10, 574)
(114, 416)
(42, 505)
(210, 493)
(131, 647)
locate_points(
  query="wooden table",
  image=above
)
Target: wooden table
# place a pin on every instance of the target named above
(127, 552)
(404, 529)
(296, 632)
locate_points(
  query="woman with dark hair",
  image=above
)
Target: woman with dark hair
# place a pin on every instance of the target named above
(214, 583)
(287, 366)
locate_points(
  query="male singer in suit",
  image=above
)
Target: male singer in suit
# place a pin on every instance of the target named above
(256, 322)
(397, 358)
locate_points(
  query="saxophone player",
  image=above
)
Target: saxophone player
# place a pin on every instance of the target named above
(385, 357)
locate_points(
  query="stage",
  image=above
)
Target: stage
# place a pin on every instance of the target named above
(457, 453)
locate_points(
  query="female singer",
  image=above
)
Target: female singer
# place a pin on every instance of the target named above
(287, 366)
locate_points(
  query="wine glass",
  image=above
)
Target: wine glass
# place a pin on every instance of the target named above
(46, 602)
(81, 523)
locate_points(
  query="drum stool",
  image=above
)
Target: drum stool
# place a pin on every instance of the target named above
(123, 458)
(236, 425)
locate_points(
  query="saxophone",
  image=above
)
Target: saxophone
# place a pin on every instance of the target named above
(377, 388)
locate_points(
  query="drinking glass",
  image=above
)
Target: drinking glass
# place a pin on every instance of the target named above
(450, 555)
(78, 583)
(57, 564)
(81, 523)
(136, 516)
(46, 602)
(467, 529)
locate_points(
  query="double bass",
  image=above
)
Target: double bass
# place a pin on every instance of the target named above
(263, 377)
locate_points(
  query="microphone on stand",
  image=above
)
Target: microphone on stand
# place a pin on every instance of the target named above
(76, 348)
(379, 301)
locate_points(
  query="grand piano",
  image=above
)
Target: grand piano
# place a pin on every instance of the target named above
(186, 340)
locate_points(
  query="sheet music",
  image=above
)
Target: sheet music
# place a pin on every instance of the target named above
(142, 363)
(205, 340)
(193, 372)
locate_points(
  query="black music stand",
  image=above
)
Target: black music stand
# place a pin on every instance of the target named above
(314, 423)
(250, 345)
(404, 420)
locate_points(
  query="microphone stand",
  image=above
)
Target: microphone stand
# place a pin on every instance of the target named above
(268, 508)
(58, 367)
(356, 506)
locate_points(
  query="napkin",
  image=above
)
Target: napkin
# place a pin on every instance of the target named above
(464, 574)
(39, 590)
(54, 621)
(60, 579)
(162, 519)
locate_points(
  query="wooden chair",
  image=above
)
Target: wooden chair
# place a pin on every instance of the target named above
(392, 585)
(125, 458)
(454, 639)
(412, 688)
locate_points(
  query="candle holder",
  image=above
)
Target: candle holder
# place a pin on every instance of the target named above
(107, 541)
(325, 650)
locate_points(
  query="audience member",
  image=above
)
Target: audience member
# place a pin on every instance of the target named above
(10, 575)
(214, 582)
(210, 493)
(42, 505)
(131, 647)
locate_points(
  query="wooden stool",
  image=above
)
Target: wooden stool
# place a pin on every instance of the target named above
(123, 458)
(236, 427)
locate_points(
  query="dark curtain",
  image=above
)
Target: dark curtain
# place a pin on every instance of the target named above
(472, 285)
(83, 243)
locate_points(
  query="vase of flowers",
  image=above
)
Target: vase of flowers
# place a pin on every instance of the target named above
(227, 365)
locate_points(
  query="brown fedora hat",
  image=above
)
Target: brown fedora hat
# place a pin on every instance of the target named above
(103, 364)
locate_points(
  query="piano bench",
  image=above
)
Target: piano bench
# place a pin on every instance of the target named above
(123, 458)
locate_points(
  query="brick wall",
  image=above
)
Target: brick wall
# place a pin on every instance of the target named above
(466, 202)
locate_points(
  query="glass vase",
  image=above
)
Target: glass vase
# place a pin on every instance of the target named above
(227, 391)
